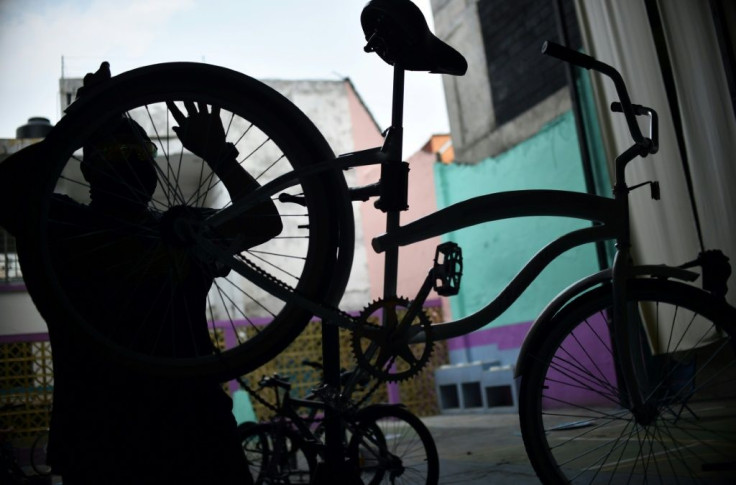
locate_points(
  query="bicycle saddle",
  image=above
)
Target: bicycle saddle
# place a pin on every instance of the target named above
(397, 31)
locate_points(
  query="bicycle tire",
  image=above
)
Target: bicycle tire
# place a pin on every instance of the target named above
(254, 443)
(312, 255)
(575, 419)
(277, 454)
(39, 454)
(392, 445)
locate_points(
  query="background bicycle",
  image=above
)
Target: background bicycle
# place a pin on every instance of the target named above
(384, 443)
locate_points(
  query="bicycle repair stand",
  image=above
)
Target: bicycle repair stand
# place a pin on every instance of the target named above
(335, 468)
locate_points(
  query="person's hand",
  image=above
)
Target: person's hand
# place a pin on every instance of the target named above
(201, 132)
(91, 80)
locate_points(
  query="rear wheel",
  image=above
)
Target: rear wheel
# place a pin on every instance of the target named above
(391, 445)
(138, 287)
(576, 418)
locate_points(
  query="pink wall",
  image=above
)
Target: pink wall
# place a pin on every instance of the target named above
(365, 130)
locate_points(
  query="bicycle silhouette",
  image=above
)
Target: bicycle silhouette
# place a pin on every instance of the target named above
(384, 442)
(633, 359)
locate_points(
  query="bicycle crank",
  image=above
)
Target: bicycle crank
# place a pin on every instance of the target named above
(381, 339)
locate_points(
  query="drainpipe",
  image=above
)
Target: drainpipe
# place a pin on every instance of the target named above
(563, 33)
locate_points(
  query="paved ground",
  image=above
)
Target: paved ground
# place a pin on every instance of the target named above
(474, 449)
(480, 449)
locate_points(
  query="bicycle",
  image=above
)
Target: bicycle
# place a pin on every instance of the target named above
(383, 443)
(11, 469)
(304, 270)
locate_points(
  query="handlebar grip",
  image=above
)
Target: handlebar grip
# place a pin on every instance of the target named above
(568, 55)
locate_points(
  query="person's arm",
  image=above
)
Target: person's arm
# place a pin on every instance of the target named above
(201, 132)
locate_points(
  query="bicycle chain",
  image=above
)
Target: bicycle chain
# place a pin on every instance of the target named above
(327, 308)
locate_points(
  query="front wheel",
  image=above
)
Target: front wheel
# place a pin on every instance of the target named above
(392, 445)
(122, 243)
(576, 419)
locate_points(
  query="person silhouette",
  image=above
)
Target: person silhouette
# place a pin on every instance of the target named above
(115, 257)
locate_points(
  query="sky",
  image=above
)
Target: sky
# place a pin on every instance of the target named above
(266, 39)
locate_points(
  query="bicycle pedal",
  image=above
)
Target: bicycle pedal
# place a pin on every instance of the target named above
(448, 269)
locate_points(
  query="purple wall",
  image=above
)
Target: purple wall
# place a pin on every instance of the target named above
(583, 370)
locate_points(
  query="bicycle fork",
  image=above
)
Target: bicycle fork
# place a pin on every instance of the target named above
(623, 330)
(620, 333)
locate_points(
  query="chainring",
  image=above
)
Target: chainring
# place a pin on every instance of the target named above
(383, 350)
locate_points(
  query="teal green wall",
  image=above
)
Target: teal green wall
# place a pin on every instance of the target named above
(494, 252)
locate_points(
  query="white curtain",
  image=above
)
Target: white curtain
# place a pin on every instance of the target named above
(618, 32)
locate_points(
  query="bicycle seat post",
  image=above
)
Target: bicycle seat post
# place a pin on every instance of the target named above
(393, 184)
(394, 142)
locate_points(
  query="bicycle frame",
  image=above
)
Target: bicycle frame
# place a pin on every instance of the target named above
(606, 214)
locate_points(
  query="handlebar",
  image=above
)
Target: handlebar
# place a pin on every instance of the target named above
(630, 111)
(275, 381)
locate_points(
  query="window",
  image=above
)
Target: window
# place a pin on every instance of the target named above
(10, 271)
(513, 33)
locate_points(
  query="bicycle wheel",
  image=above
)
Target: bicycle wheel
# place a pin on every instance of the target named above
(277, 454)
(254, 442)
(576, 420)
(146, 287)
(38, 454)
(391, 445)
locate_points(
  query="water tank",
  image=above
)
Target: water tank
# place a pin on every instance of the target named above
(37, 127)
